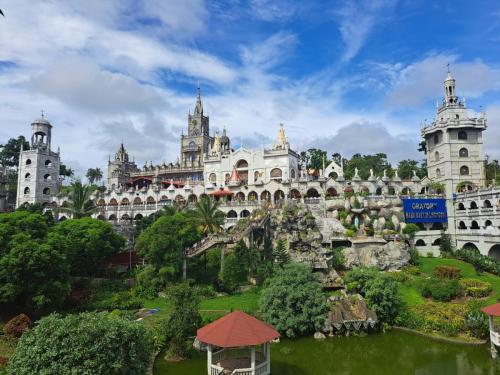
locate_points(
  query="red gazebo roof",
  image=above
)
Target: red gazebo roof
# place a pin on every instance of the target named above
(221, 193)
(235, 177)
(235, 330)
(493, 310)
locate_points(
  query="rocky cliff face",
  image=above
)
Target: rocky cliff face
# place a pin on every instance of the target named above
(373, 252)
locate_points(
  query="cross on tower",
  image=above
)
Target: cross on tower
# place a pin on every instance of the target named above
(43, 113)
(448, 66)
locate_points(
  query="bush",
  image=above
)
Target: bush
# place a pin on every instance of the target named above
(480, 262)
(382, 296)
(447, 318)
(477, 323)
(358, 278)
(430, 254)
(475, 288)
(293, 301)
(17, 325)
(232, 274)
(117, 301)
(447, 272)
(338, 259)
(87, 343)
(400, 277)
(149, 281)
(440, 289)
(414, 257)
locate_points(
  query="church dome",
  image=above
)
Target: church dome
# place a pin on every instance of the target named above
(41, 120)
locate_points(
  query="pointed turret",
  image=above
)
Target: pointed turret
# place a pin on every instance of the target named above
(199, 106)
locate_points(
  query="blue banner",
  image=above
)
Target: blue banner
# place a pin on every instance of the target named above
(425, 210)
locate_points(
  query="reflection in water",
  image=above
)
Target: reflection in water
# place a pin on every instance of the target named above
(394, 352)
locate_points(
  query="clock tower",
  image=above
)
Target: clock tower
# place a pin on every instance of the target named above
(196, 143)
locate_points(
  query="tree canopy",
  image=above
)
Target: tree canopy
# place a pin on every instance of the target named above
(293, 301)
(87, 343)
(9, 153)
(208, 215)
(94, 175)
(164, 241)
(79, 203)
(85, 242)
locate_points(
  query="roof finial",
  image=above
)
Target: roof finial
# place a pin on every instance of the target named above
(43, 114)
(448, 67)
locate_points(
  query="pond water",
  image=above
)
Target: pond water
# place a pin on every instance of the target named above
(388, 353)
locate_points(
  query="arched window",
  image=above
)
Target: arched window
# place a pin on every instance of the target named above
(294, 194)
(462, 135)
(436, 156)
(474, 225)
(232, 214)
(331, 192)
(487, 223)
(312, 193)
(473, 205)
(137, 201)
(113, 202)
(242, 164)
(150, 200)
(48, 163)
(462, 225)
(463, 153)
(28, 161)
(101, 202)
(212, 178)
(240, 196)
(487, 204)
(457, 116)
(438, 172)
(292, 174)
(436, 139)
(47, 177)
(27, 176)
(461, 207)
(26, 190)
(276, 173)
(125, 202)
(420, 242)
(46, 191)
(252, 196)
(464, 170)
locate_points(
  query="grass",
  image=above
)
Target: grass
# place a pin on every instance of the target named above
(7, 347)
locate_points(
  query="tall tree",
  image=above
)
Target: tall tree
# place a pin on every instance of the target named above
(208, 215)
(406, 168)
(316, 158)
(9, 155)
(94, 175)
(64, 171)
(377, 162)
(79, 202)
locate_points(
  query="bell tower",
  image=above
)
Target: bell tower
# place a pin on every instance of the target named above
(38, 176)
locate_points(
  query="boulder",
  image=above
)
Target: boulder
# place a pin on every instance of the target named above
(319, 336)
(17, 325)
(376, 253)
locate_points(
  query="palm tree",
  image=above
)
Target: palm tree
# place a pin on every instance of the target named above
(94, 175)
(208, 215)
(79, 204)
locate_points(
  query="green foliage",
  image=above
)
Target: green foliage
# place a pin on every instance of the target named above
(359, 277)
(30, 224)
(33, 275)
(94, 175)
(377, 162)
(79, 203)
(414, 257)
(281, 255)
(123, 300)
(65, 171)
(443, 290)
(183, 320)
(406, 168)
(382, 296)
(480, 262)
(232, 274)
(85, 242)
(338, 258)
(445, 245)
(87, 343)
(163, 243)
(9, 153)
(410, 230)
(314, 158)
(477, 322)
(475, 288)
(149, 281)
(293, 301)
(208, 215)
(447, 272)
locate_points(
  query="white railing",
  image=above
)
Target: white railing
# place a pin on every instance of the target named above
(495, 338)
(216, 370)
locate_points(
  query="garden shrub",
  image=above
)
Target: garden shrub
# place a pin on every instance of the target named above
(447, 272)
(480, 262)
(400, 277)
(293, 301)
(338, 259)
(447, 318)
(382, 296)
(430, 254)
(357, 278)
(475, 288)
(414, 257)
(123, 300)
(87, 343)
(477, 323)
(232, 274)
(443, 290)
(149, 281)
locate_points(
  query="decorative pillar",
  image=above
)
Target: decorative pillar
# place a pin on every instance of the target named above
(252, 360)
(493, 349)
(268, 357)
(209, 358)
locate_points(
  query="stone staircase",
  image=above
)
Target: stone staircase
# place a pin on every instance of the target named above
(224, 239)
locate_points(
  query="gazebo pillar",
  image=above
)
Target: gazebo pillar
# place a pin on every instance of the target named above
(268, 356)
(492, 330)
(252, 359)
(209, 358)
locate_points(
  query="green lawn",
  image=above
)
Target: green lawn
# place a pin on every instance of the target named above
(410, 290)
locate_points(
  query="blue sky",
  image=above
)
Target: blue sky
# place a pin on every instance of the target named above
(348, 76)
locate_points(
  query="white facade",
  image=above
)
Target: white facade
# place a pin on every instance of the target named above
(38, 178)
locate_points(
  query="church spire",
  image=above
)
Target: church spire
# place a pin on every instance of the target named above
(199, 107)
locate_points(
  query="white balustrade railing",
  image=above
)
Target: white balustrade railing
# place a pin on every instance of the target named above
(495, 338)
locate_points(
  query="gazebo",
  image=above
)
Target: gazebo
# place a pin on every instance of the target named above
(238, 344)
(492, 311)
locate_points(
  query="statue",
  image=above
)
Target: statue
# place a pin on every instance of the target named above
(371, 172)
(356, 222)
(216, 147)
(396, 173)
(356, 170)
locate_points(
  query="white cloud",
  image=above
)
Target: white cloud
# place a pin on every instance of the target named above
(274, 10)
(93, 89)
(356, 21)
(418, 82)
(491, 137)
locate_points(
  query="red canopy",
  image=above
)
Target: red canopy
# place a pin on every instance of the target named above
(235, 330)
(493, 310)
(235, 177)
(221, 193)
